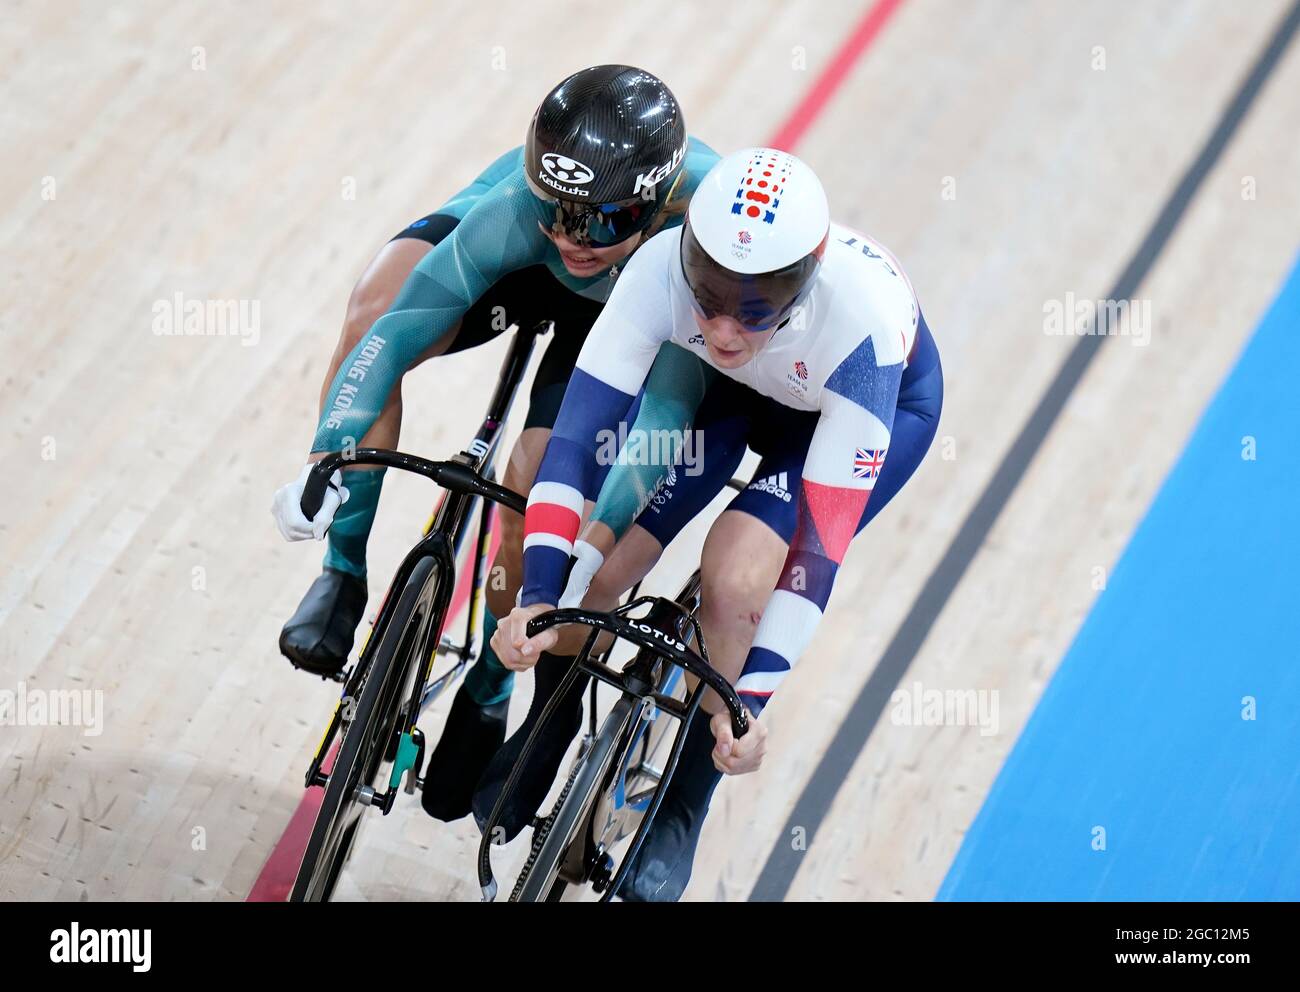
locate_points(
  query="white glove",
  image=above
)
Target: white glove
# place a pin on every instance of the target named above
(287, 507)
(583, 571)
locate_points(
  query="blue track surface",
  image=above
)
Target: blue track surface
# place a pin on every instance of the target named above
(1141, 732)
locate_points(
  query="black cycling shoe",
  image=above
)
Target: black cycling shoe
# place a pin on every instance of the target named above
(318, 636)
(472, 735)
(547, 753)
(663, 865)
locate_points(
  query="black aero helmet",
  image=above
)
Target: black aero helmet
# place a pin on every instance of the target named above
(605, 147)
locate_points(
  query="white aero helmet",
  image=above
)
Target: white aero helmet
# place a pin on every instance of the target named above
(754, 237)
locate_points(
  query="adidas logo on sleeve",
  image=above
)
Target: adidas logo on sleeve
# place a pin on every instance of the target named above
(774, 484)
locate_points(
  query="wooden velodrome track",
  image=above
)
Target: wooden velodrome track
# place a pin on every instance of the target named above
(247, 152)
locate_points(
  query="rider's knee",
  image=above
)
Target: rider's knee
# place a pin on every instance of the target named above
(732, 597)
(629, 563)
(499, 599)
(366, 305)
(512, 533)
(503, 577)
(501, 587)
(604, 591)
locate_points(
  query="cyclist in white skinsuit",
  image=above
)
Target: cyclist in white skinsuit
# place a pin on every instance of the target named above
(823, 327)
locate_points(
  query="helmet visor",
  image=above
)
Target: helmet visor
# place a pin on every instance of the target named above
(759, 302)
(598, 225)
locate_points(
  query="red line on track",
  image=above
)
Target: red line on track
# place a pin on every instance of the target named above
(276, 878)
(814, 102)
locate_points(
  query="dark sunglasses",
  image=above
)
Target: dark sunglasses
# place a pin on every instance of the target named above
(599, 225)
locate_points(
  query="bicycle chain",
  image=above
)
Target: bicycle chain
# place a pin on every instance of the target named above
(543, 831)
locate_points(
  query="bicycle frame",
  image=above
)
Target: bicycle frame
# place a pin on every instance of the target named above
(441, 542)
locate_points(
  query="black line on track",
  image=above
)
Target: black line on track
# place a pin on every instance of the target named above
(815, 801)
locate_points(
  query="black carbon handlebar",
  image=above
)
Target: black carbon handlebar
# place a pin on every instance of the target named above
(453, 476)
(662, 642)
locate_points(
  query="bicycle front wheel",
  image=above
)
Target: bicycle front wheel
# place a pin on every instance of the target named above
(566, 824)
(367, 736)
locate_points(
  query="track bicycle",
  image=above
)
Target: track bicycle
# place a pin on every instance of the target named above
(384, 692)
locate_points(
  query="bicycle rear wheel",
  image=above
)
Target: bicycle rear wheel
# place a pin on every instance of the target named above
(367, 736)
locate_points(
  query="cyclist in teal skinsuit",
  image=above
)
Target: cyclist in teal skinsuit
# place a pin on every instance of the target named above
(539, 235)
